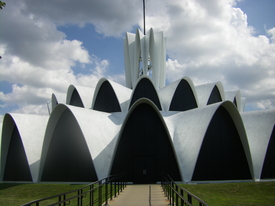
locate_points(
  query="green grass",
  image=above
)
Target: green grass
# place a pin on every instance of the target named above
(18, 194)
(234, 194)
(220, 194)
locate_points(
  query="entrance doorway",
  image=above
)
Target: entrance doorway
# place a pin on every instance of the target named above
(144, 148)
(145, 170)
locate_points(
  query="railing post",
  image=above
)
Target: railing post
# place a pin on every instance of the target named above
(181, 193)
(92, 194)
(170, 193)
(189, 198)
(173, 193)
(106, 190)
(177, 197)
(111, 190)
(59, 200)
(80, 197)
(115, 189)
(99, 193)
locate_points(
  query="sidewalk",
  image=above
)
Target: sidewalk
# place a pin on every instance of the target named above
(139, 195)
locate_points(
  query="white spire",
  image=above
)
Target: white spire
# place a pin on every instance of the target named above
(145, 55)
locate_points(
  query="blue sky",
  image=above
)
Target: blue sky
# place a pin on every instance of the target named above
(47, 46)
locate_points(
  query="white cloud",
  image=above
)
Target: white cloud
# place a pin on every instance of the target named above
(111, 18)
(211, 41)
(207, 40)
(38, 60)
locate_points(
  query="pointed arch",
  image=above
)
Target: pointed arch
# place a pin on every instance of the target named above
(268, 171)
(54, 102)
(65, 155)
(145, 89)
(215, 96)
(13, 155)
(105, 98)
(210, 93)
(235, 97)
(73, 97)
(184, 98)
(222, 155)
(144, 147)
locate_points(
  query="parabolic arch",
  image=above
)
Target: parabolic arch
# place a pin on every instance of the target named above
(144, 146)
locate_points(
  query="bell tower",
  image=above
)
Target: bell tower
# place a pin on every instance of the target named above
(145, 55)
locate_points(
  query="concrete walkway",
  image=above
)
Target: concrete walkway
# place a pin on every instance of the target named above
(139, 195)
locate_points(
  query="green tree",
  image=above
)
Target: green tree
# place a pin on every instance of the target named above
(2, 4)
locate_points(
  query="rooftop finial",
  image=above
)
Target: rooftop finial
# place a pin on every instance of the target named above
(144, 17)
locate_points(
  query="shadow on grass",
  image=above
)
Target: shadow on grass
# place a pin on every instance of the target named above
(8, 185)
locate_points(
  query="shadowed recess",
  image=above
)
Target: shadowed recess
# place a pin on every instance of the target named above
(215, 96)
(106, 99)
(68, 158)
(222, 155)
(76, 100)
(235, 102)
(183, 98)
(144, 148)
(17, 167)
(268, 171)
(145, 89)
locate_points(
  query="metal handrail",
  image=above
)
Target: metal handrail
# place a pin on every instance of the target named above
(105, 188)
(177, 195)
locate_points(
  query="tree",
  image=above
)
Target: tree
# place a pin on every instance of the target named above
(2, 4)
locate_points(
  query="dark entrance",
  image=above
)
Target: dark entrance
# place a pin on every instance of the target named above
(144, 148)
(145, 169)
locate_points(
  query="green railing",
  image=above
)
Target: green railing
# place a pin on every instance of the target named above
(95, 194)
(178, 195)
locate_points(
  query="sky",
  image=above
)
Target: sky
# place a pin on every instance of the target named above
(48, 45)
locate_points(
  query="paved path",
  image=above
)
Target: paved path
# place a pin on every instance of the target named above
(139, 195)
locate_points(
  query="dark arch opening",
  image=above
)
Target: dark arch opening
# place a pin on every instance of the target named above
(268, 171)
(222, 155)
(17, 167)
(76, 100)
(183, 98)
(144, 148)
(68, 158)
(106, 99)
(145, 89)
(215, 96)
(235, 102)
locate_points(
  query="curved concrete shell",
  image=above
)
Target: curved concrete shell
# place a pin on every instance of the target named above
(191, 134)
(179, 96)
(145, 89)
(259, 127)
(210, 93)
(80, 96)
(54, 102)
(110, 96)
(75, 147)
(144, 146)
(22, 140)
(235, 97)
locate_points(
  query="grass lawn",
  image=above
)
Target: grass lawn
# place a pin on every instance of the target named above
(18, 194)
(220, 194)
(234, 194)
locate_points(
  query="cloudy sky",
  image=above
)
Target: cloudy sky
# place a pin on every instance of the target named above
(47, 45)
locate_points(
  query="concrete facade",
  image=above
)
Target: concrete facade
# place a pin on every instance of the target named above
(194, 133)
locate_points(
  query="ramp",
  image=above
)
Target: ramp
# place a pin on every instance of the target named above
(140, 195)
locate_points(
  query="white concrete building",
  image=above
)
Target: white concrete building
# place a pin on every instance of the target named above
(193, 133)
